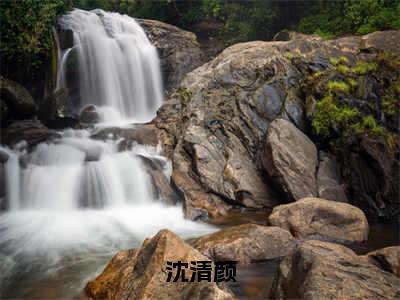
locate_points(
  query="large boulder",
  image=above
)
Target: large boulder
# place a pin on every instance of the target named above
(214, 125)
(291, 159)
(322, 270)
(314, 217)
(387, 259)
(179, 50)
(17, 100)
(246, 243)
(140, 274)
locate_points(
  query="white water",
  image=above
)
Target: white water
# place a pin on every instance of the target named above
(73, 202)
(118, 66)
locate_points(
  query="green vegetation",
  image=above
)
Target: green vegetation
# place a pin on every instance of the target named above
(26, 34)
(333, 18)
(338, 86)
(363, 68)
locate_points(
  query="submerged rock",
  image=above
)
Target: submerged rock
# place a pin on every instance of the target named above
(321, 270)
(314, 217)
(145, 134)
(140, 274)
(291, 159)
(246, 243)
(161, 183)
(89, 115)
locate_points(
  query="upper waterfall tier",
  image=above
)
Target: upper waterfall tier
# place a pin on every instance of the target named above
(118, 66)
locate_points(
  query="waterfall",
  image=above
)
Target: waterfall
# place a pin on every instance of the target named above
(118, 66)
(73, 201)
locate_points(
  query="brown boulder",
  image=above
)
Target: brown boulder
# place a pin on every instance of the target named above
(291, 159)
(89, 115)
(140, 274)
(31, 131)
(314, 217)
(387, 259)
(321, 270)
(246, 243)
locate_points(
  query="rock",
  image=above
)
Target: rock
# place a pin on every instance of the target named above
(329, 179)
(145, 134)
(160, 182)
(56, 107)
(2, 186)
(31, 131)
(4, 156)
(373, 174)
(291, 159)
(388, 259)
(321, 270)
(89, 115)
(19, 102)
(65, 37)
(382, 40)
(314, 217)
(140, 274)
(179, 50)
(214, 125)
(246, 243)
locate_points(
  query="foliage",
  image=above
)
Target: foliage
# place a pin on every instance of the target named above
(338, 86)
(333, 18)
(363, 68)
(26, 31)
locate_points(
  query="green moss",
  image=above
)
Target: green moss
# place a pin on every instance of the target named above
(352, 82)
(342, 60)
(369, 125)
(363, 68)
(329, 115)
(338, 86)
(342, 69)
(390, 105)
(289, 55)
(185, 95)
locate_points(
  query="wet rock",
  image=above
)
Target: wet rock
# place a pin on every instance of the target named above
(179, 50)
(314, 217)
(161, 183)
(198, 204)
(56, 109)
(321, 270)
(373, 174)
(31, 131)
(141, 274)
(4, 156)
(19, 102)
(141, 134)
(329, 180)
(290, 158)
(89, 115)
(246, 243)
(388, 259)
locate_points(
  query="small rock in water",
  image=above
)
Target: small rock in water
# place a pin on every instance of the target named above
(89, 115)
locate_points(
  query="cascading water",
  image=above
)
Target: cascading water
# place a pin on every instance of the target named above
(118, 66)
(73, 201)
